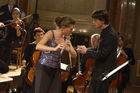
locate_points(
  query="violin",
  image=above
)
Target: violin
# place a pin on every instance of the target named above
(17, 24)
(82, 81)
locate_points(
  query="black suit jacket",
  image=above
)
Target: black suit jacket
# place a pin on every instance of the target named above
(6, 13)
(130, 57)
(106, 54)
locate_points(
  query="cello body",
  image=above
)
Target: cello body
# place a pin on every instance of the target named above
(64, 76)
(30, 75)
(82, 81)
(122, 59)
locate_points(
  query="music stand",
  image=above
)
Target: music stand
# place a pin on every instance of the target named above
(34, 21)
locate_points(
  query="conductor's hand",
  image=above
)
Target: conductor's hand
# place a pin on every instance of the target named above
(81, 49)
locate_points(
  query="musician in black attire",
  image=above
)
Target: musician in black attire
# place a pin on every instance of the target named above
(126, 70)
(38, 34)
(106, 54)
(13, 36)
(94, 44)
(3, 66)
(6, 11)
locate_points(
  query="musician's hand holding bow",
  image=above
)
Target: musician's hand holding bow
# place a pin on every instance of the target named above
(1, 25)
(81, 49)
(23, 66)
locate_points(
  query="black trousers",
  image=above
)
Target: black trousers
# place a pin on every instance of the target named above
(47, 80)
(7, 50)
(22, 86)
(99, 86)
(125, 79)
(3, 67)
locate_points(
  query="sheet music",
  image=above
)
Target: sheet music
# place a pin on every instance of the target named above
(65, 67)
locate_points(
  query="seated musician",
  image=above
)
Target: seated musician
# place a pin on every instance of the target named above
(38, 33)
(126, 70)
(3, 66)
(94, 44)
(14, 32)
(84, 61)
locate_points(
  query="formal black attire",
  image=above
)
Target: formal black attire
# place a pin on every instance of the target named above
(105, 60)
(6, 13)
(22, 84)
(11, 41)
(3, 67)
(126, 70)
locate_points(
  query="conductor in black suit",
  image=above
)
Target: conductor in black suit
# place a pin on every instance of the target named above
(6, 11)
(106, 54)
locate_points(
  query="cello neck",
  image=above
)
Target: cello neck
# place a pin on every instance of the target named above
(78, 61)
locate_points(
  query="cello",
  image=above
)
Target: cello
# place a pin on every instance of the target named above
(82, 81)
(122, 58)
(30, 76)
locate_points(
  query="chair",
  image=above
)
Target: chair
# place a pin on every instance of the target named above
(18, 51)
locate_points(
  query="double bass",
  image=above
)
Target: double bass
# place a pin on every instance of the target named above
(82, 81)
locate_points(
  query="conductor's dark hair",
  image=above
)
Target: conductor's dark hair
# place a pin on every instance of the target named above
(101, 15)
(64, 21)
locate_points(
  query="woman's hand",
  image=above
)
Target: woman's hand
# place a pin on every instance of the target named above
(59, 47)
(68, 45)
